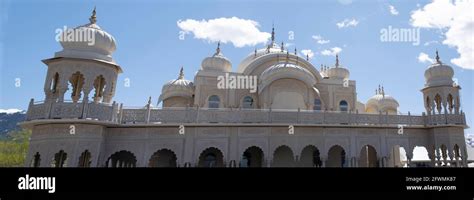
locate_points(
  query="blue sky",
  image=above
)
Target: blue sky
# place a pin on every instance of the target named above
(150, 51)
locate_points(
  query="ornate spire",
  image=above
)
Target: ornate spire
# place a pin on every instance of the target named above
(383, 92)
(149, 101)
(376, 91)
(437, 57)
(337, 60)
(307, 57)
(218, 49)
(181, 73)
(296, 52)
(282, 47)
(255, 53)
(93, 18)
(287, 56)
(273, 33)
(380, 90)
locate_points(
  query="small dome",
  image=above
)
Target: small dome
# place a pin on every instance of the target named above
(438, 74)
(381, 102)
(217, 62)
(338, 71)
(177, 87)
(75, 42)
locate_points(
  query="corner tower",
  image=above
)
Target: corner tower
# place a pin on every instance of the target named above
(84, 67)
(441, 93)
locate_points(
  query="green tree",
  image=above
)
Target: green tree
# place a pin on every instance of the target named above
(14, 148)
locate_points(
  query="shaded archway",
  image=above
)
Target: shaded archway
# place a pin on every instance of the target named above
(85, 159)
(211, 157)
(368, 157)
(283, 157)
(99, 88)
(36, 160)
(252, 157)
(163, 158)
(59, 159)
(336, 157)
(310, 157)
(122, 159)
(76, 81)
(398, 157)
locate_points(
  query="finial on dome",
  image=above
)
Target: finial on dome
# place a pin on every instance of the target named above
(376, 91)
(383, 92)
(307, 57)
(282, 47)
(437, 57)
(255, 53)
(149, 100)
(93, 18)
(380, 90)
(321, 67)
(287, 56)
(273, 33)
(337, 60)
(218, 49)
(296, 52)
(181, 73)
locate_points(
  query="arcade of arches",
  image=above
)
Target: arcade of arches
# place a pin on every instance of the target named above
(282, 156)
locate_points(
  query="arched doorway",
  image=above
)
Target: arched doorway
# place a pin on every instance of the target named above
(211, 157)
(283, 157)
(336, 157)
(252, 157)
(59, 159)
(163, 158)
(85, 159)
(310, 157)
(368, 157)
(122, 159)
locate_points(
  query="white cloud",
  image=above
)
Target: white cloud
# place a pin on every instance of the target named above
(10, 111)
(320, 39)
(331, 52)
(456, 23)
(423, 58)
(308, 52)
(393, 10)
(289, 44)
(347, 22)
(431, 42)
(239, 32)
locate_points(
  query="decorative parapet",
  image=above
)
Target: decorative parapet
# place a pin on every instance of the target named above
(148, 115)
(72, 110)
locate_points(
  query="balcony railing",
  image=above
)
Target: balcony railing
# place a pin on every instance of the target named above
(149, 115)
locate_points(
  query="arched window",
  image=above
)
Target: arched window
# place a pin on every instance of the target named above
(343, 106)
(54, 83)
(36, 160)
(214, 101)
(317, 104)
(60, 159)
(247, 102)
(438, 102)
(85, 159)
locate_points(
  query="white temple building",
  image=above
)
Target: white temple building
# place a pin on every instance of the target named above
(297, 116)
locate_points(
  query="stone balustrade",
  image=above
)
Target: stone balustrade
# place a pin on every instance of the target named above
(149, 115)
